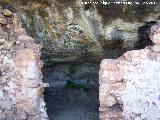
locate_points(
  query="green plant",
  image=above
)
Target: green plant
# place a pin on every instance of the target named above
(72, 69)
(75, 86)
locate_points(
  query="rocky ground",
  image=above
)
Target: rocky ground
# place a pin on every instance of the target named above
(68, 104)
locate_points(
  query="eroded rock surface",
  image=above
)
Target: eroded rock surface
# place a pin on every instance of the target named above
(71, 31)
(21, 88)
(129, 85)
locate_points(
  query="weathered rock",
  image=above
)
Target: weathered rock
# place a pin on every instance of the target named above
(1, 9)
(3, 21)
(156, 48)
(129, 85)
(21, 88)
(71, 31)
(7, 12)
(2, 41)
(155, 36)
(1, 15)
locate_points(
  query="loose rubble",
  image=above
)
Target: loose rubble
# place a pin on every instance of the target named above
(129, 85)
(21, 88)
(7, 12)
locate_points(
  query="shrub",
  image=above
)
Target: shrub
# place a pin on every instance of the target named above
(72, 69)
(75, 86)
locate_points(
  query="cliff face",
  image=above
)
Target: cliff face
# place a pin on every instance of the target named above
(70, 30)
(21, 88)
(129, 85)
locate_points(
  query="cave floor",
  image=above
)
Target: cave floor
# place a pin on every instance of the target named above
(72, 105)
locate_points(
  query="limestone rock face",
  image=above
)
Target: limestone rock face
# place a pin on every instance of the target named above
(71, 31)
(129, 85)
(21, 88)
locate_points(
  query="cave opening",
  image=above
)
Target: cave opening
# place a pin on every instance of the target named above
(73, 91)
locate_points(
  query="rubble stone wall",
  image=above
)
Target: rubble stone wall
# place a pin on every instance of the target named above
(130, 85)
(21, 88)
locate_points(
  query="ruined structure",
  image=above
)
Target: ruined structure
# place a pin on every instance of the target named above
(129, 85)
(21, 88)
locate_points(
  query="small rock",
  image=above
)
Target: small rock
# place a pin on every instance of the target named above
(1, 15)
(3, 21)
(18, 42)
(9, 20)
(7, 13)
(111, 101)
(9, 26)
(21, 31)
(1, 95)
(159, 97)
(137, 118)
(25, 38)
(156, 39)
(9, 44)
(1, 9)
(156, 48)
(2, 40)
(2, 43)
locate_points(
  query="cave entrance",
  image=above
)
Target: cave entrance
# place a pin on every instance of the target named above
(73, 91)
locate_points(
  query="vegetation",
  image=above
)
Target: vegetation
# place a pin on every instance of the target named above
(72, 69)
(75, 86)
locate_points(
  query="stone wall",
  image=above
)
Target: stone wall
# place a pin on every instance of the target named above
(21, 88)
(129, 85)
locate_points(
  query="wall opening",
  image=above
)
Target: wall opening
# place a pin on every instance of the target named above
(73, 91)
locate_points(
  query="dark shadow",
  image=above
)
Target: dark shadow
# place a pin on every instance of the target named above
(114, 48)
(73, 92)
(143, 35)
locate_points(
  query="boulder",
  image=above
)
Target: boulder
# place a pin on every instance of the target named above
(129, 86)
(3, 21)
(7, 13)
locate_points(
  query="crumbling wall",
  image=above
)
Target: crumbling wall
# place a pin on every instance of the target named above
(130, 85)
(21, 88)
